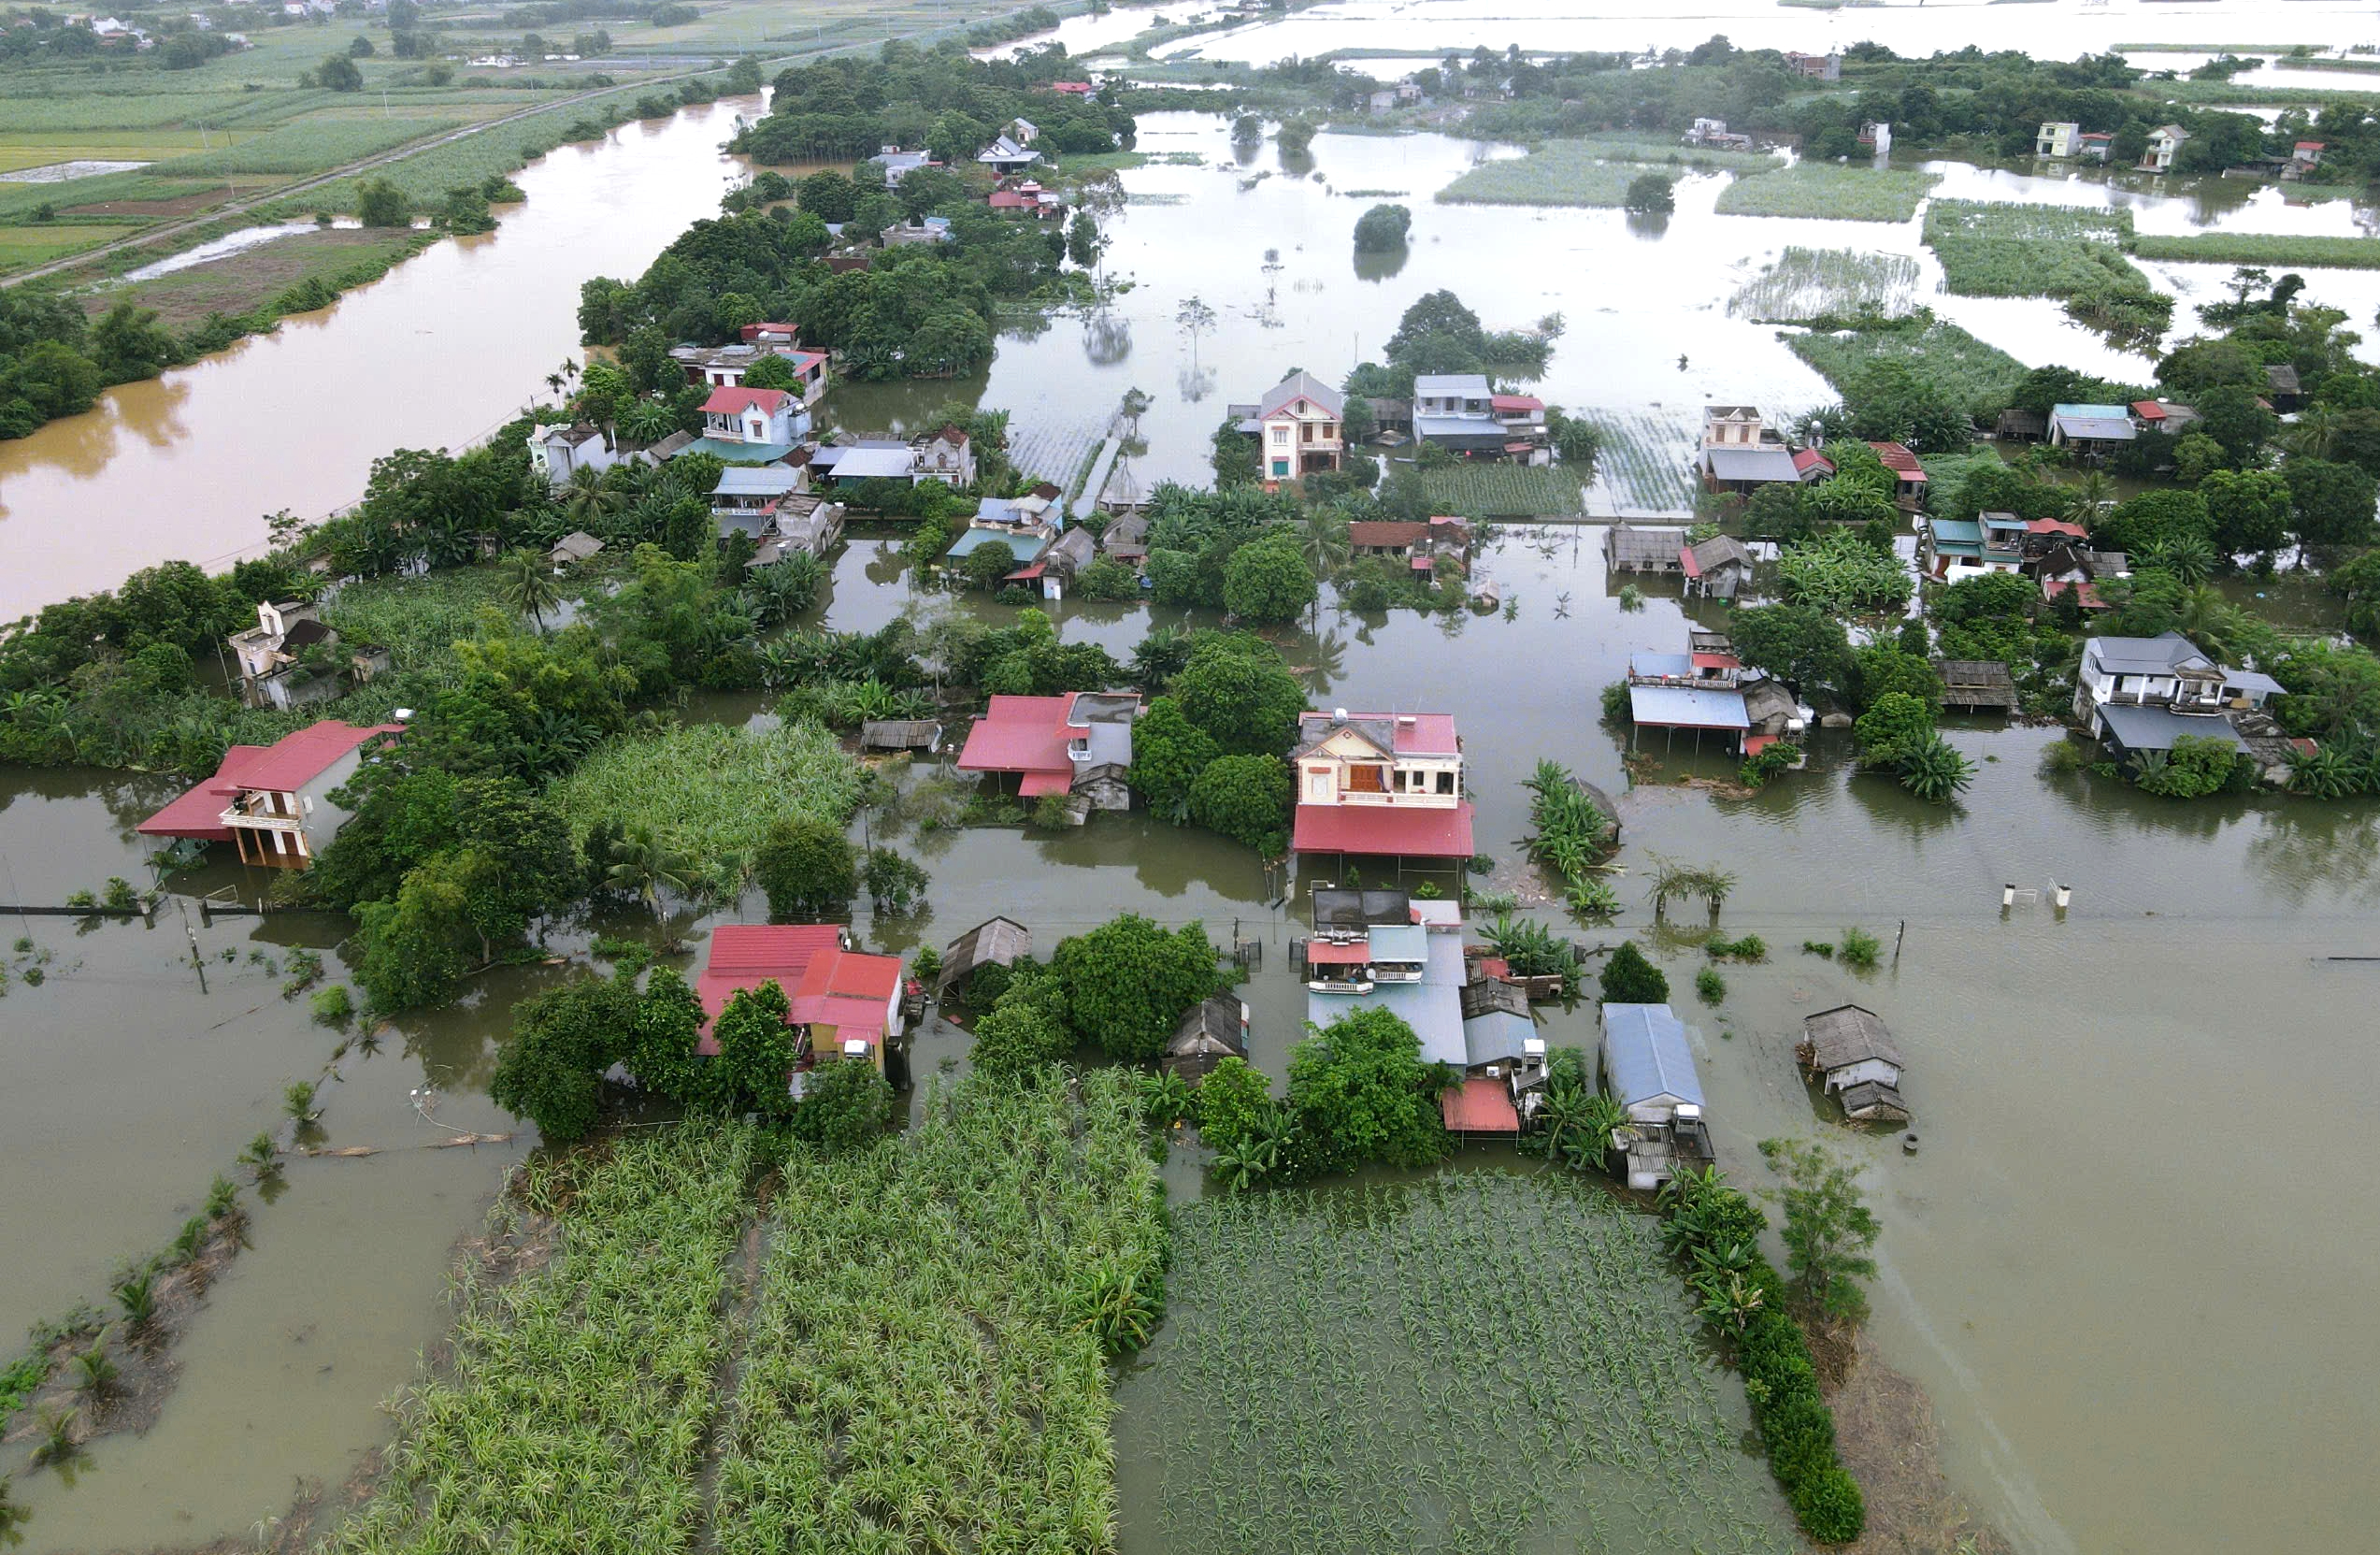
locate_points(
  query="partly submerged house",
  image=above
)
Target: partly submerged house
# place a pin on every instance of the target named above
(2057, 138)
(2091, 428)
(292, 656)
(1214, 1030)
(1717, 568)
(1976, 683)
(843, 1003)
(993, 943)
(1080, 742)
(1630, 549)
(1741, 452)
(1648, 1069)
(2164, 145)
(1383, 784)
(754, 419)
(2144, 693)
(1848, 1049)
(1005, 156)
(573, 548)
(1457, 411)
(558, 451)
(273, 802)
(1431, 1003)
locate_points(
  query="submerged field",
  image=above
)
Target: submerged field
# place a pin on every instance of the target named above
(704, 1344)
(1482, 1362)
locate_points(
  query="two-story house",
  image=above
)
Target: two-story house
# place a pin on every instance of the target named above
(725, 366)
(1080, 742)
(556, 450)
(2143, 693)
(762, 418)
(1383, 784)
(1296, 428)
(946, 456)
(2057, 138)
(2164, 144)
(1740, 452)
(273, 801)
(1458, 411)
(1005, 156)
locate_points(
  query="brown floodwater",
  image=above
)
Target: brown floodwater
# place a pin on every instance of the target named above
(442, 351)
(2105, 1263)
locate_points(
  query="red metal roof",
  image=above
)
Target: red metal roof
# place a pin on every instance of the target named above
(1004, 199)
(1020, 734)
(1755, 743)
(1480, 1106)
(734, 401)
(825, 985)
(1324, 953)
(1384, 533)
(1689, 561)
(2309, 146)
(751, 332)
(1403, 831)
(2056, 526)
(1515, 402)
(1901, 462)
(1034, 785)
(1807, 459)
(1716, 661)
(1495, 968)
(1025, 574)
(282, 766)
(2148, 410)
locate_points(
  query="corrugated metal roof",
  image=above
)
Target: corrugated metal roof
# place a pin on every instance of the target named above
(1433, 1010)
(2156, 728)
(1400, 942)
(1848, 1035)
(1758, 462)
(1497, 1036)
(1645, 1056)
(1687, 707)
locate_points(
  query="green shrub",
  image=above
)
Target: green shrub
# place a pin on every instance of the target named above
(334, 1005)
(1818, 948)
(1709, 987)
(1830, 1505)
(1751, 947)
(1860, 948)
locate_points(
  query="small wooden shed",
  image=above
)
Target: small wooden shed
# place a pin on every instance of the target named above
(1976, 683)
(1850, 1050)
(900, 734)
(1215, 1029)
(993, 943)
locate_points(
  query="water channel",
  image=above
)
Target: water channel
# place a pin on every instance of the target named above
(2105, 1265)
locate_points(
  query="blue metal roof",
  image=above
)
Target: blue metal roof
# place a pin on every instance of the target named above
(1400, 942)
(1672, 666)
(1433, 1010)
(1687, 707)
(1497, 1036)
(1022, 547)
(1645, 1056)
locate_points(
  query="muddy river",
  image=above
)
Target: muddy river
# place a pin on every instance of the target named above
(2100, 1093)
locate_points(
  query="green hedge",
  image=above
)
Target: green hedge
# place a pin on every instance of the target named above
(1779, 1377)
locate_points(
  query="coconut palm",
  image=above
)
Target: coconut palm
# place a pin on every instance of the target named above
(585, 500)
(2087, 497)
(1326, 540)
(2189, 557)
(645, 865)
(648, 421)
(525, 582)
(2207, 619)
(2315, 433)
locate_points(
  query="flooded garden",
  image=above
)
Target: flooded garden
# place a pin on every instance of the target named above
(2100, 1264)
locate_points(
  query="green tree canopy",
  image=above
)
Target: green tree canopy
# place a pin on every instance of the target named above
(1629, 978)
(1128, 982)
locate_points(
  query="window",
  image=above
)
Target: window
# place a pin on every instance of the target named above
(1280, 434)
(1445, 783)
(1280, 466)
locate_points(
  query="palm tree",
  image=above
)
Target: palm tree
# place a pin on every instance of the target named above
(1326, 542)
(2087, 497)
(644, 864)
(2208, 620)
(2316, 432)
(526, 584)
(585, 500)
(1933, 770)
(648, 421)
(2189, 557)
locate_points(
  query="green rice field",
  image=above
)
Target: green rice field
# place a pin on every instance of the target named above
(1481, 1362)
(1802, 285)
(309, 146)
(1995, 250)
(1504, 491)
(1562, 172)
(1825, 191)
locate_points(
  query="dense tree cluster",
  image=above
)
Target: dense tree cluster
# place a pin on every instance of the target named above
(940, 100)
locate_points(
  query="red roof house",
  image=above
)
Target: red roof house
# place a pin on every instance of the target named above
(1480, 1105)
(2056, 526)
(273, 800)
(1047, 742)
(836, 995)
(1811, 465)
(1903, 462)
(1381, 783)
(735, 401)
(770, 334)
(2086, 593)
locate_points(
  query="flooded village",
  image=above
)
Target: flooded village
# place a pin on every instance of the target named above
(1610, 878)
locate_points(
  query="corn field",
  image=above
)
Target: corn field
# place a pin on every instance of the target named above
(1640, 466)
(927, 1366)
(1504, 491)
(574, 1417)
(1828, 284)
(1479, 1363)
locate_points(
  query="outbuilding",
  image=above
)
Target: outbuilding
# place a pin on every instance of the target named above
(1851, 1052)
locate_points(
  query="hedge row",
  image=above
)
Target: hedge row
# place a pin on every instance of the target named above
(1779, 1377)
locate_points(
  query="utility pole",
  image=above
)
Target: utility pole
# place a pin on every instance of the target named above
(198, 962)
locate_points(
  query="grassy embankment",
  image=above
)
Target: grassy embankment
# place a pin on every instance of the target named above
(2267, 248)
(1471, 1362)
(908, 1354)
(1593, 171)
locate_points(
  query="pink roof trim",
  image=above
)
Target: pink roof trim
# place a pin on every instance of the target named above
(734, 401)
(282, 766)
